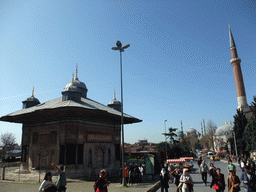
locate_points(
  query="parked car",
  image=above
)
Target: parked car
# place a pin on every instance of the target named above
(210, 154)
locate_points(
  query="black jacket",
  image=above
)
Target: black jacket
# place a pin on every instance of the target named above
(219, 180)
(164, 180)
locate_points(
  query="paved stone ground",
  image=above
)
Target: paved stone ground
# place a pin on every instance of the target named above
(77, 186)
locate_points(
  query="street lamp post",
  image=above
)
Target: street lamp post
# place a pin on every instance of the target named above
(234, 140)
(121, 49)
(165, 139)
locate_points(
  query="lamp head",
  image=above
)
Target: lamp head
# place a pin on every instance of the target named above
(119, 44)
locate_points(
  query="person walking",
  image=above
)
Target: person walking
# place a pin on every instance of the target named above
(164, 179)
(212, 170)
(141, 172)
(248, 179)
(126, 174)
(186, 182)
(47, 184)
(137, 174)
(242, 165)
(231, 166)
(131, 175)
(176, 174)
(199, 161)
(233, 182)
(61, 181)
(203, 171)
(218, 181)
(102, 183)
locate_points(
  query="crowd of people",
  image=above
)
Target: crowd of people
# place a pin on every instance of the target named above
(233, 182)
(132, 174)
(182, 180)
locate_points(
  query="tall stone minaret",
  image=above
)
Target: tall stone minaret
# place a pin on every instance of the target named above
(202, 132)
(181, 127)
(204, 127)
(240, 90)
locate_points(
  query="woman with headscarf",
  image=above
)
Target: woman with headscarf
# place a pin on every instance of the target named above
(164, 179)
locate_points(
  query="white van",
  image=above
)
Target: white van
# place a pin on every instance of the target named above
(210, 154)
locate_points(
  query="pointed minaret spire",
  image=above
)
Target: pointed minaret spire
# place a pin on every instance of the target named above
(202, 132)
(239, 82)
(181, 127)
(114, 94)
(204, 127)
(232, 42)
(76, 72)
(72, 80)
(33, 92)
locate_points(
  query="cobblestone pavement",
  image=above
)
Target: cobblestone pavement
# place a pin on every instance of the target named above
(77, 186)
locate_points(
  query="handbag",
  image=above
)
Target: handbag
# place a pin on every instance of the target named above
(216, 187)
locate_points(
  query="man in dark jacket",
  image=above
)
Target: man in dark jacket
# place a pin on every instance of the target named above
(176, 174)
(164, 178)
(218, 179)
(248, 180)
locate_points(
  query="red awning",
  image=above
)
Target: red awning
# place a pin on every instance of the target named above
(175, 161)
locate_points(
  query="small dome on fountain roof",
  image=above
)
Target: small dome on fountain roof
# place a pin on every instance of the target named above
(114, 101)
(76, 85)
(32, 98)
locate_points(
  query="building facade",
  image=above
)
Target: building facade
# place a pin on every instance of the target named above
(72, 130)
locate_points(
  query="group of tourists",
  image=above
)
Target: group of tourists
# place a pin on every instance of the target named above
(183, 182)
(47, 184)
(132, 174)
(248, 176)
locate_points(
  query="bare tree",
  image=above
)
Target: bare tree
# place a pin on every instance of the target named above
(211, 128)
(8, 141)
(192, 138)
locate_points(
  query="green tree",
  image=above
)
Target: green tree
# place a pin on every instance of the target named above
(253, 106)
(249, 135)
(171, 135)
(240, 123)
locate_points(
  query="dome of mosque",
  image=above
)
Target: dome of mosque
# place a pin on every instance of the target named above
(225, 129)
(192, 130)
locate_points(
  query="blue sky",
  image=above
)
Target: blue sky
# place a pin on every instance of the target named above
(177, 67)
